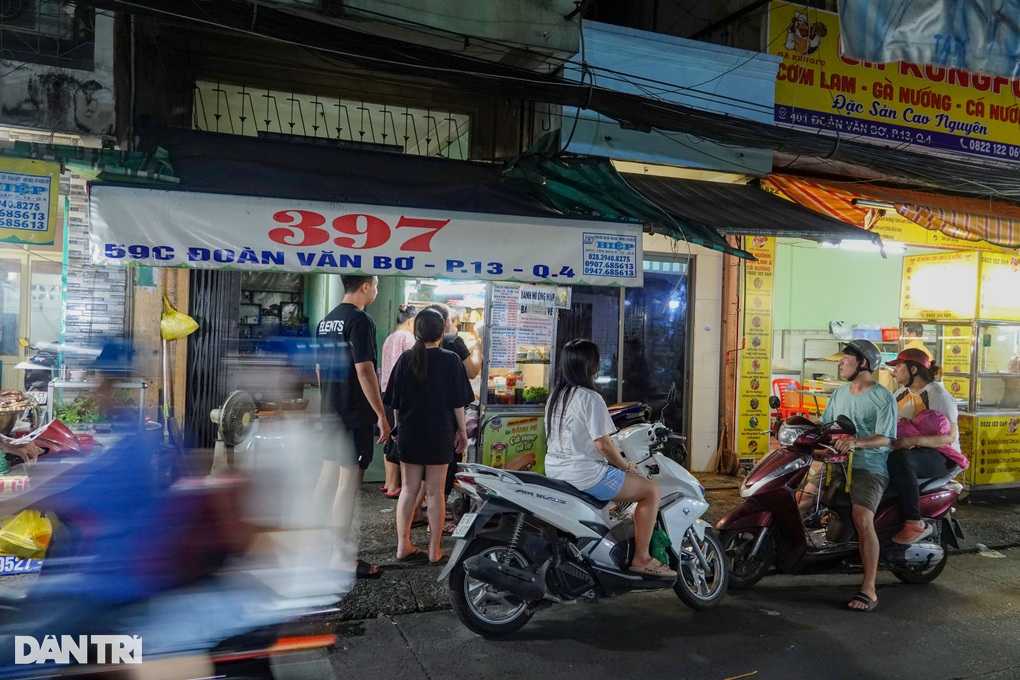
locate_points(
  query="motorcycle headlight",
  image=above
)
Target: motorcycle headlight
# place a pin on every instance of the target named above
(788, 434)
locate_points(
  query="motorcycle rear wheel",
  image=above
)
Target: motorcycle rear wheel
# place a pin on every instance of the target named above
(920, 578)
(737, 545)
(697, 587)
(470, 595)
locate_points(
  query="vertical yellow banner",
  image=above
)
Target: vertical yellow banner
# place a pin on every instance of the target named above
(755, 372)
(956, 342)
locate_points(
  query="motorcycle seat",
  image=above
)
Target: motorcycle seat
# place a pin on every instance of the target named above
(558, 485)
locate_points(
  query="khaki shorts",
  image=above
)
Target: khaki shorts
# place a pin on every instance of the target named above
(866, 488)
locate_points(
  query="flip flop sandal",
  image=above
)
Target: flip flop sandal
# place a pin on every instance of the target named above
(448, 529)
(384, 488)
(419, 523)
(654, 568)
(391, 496)
(862, 597)
(442, 558)
(417, 552)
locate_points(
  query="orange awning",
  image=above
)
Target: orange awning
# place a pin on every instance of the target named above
(970, 219)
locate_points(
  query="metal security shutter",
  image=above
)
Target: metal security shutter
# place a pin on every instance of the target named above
(215, 304)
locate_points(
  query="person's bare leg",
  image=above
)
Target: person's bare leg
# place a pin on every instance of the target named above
(419, 500)
(412, 475)
(345, 554)
(392, 477)
(646, 494)
(435, 484)
(864, 522)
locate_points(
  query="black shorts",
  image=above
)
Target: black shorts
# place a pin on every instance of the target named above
(352, 445)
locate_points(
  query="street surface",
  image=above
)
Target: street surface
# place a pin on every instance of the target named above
(964, 625)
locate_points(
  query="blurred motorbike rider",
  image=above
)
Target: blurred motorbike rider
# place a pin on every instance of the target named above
(872, 410)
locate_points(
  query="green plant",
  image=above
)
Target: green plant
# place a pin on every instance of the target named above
(536, 395)
(83, 410)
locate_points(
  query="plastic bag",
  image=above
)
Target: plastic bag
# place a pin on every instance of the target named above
(26, 534)
(660, 542)
(175, 325)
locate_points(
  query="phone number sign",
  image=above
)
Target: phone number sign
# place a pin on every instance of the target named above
(159, 228)
(28, 195)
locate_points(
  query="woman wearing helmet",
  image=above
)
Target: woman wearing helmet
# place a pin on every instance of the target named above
(920, 455)
(872, 410)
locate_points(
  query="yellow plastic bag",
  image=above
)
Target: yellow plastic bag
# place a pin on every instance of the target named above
(26, 534)
(175, 325)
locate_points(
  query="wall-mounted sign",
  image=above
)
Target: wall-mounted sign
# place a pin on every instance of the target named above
(755, 379)
(159, 228)
(28, 201)
(896, 103)
(939, 286)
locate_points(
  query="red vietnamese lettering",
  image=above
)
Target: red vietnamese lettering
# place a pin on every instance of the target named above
(422, 243)
(300, 222)
(375, 231)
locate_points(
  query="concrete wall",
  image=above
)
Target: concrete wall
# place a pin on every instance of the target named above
(705, 348)
(60, 99)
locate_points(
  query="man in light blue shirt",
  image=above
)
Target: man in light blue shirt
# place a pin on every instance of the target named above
(872, 410)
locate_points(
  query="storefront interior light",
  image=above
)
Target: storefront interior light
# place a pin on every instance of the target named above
(674, 304)
(868, 203)
(869, 247)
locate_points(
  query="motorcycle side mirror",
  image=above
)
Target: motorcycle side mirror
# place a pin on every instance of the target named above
(24, 342)
(846, 425)
(774, 402)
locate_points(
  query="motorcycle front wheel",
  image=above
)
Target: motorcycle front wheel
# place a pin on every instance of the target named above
(481, 607)
(701, 569)
(737, 546)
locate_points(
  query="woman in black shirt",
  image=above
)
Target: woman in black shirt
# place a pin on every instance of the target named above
(427, 391)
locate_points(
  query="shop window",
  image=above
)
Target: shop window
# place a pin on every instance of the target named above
(655, 325)
(51, 32)
(10, 312)
(595, 314)
(44, 303)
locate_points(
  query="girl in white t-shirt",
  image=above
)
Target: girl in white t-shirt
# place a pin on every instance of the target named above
(580, 450)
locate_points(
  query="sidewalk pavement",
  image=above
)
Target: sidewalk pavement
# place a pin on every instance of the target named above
(990, 519)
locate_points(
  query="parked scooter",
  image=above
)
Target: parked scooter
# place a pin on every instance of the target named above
(768, 528)
(630, 413)
(532, 541)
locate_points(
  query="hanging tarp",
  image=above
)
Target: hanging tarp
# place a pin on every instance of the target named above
(982, 36)
(159, 228)
(963, 218)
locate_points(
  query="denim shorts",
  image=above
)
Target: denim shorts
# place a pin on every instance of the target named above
(609, 486)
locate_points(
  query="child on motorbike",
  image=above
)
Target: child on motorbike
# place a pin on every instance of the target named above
(581, 450)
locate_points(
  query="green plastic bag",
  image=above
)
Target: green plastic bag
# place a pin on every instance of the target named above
(659, 545)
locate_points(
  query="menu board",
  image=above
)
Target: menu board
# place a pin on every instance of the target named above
(521, 317)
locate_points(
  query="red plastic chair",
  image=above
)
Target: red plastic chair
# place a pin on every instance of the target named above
(790, 402)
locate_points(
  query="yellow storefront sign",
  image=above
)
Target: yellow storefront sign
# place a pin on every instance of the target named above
(28, 201)
(994, 449)
(754, 384)
(897, 103)
(939, 286)
(1000, 283)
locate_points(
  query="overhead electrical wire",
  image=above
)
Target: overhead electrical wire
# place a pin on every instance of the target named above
(474, 74)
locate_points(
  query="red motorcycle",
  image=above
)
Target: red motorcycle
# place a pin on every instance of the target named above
(768, 529)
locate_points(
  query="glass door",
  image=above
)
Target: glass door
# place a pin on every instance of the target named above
(656, 320)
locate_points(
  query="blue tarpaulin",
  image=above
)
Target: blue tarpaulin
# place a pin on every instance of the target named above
(981, 36)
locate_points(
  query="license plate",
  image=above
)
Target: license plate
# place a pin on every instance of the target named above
(464, 525)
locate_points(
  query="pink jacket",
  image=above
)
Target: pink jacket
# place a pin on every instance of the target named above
(930, 422)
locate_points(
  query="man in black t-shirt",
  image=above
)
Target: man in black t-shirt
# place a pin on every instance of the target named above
(351, 405)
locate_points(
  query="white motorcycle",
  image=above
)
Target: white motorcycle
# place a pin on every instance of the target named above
(531, 541)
